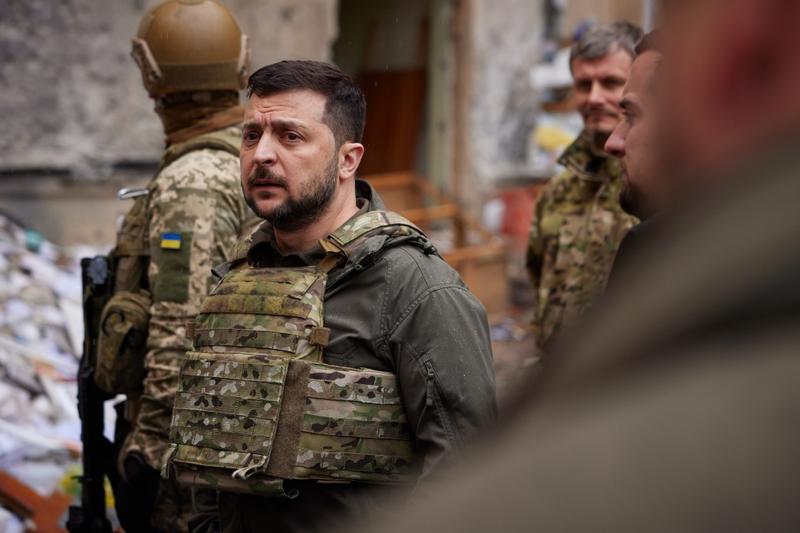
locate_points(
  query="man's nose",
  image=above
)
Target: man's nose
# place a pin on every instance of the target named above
(615, 145)
(596, 93)
(265, 153)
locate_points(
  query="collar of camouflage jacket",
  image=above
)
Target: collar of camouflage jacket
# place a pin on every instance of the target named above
(589, 163)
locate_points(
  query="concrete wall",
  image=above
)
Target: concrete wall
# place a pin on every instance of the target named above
(71, 96)
(578, 11)
(505, 44)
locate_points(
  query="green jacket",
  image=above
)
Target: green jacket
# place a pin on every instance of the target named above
(397, 307)
(575, 232)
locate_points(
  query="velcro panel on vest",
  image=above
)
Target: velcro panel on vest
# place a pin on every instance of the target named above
(255, 305)
(274, 310)
(270, 340)
(356, 228)
(226, 411)
(253, 418)
(354, 427)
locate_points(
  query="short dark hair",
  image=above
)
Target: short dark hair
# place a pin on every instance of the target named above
(601, 40)
(649, 43)
(345, 107)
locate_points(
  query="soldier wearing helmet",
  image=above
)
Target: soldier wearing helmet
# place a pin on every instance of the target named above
(194, 60)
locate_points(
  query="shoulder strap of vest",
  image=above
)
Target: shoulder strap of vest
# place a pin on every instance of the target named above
(227, 139)
(343, 242)
(371, 222)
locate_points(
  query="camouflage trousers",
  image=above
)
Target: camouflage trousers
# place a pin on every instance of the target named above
(150, 433)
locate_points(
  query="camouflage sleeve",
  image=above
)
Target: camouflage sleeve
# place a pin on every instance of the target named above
(535, 251)
(197, 215)
(194, 218)
(443, 361)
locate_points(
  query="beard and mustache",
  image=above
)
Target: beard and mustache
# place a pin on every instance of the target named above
(632, 202)
(294, 213)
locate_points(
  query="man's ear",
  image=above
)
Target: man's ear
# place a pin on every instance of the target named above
(350, 154)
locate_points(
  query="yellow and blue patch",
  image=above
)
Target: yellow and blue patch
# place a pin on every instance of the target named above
(171, 241)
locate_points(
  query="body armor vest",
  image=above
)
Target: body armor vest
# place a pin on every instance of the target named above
(256, 404)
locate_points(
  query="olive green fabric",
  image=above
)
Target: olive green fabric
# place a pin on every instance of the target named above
(175, 266)
(122, 343)
(132, 252)
(122, 339)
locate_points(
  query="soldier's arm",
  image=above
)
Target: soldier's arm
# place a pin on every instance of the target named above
(197, 216)
(443, 360)
(535, 251)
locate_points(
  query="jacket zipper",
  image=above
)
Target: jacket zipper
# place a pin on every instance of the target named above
(434, 399)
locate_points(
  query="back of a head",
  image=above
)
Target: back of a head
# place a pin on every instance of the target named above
(345, 107)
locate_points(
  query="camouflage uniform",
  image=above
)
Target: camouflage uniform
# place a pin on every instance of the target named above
(576, 230)
(391, 307)
(196, 213)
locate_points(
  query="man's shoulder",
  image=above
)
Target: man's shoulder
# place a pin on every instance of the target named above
(203, 168)
(408, 271)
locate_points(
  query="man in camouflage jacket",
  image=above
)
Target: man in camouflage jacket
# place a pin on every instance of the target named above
(578, 222)
(194, 213)
(394, 305)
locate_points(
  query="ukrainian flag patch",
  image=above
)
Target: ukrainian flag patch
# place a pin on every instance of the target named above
(171, 241)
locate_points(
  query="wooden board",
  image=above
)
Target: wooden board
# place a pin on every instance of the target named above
(394, 119)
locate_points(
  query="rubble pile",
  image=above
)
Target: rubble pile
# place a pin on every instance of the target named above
(40, 344)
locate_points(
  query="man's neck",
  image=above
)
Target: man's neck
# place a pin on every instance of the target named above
(304, 239)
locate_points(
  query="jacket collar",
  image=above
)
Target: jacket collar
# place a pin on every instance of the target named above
(587, 162)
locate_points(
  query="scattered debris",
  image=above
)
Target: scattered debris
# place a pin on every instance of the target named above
(40, 342)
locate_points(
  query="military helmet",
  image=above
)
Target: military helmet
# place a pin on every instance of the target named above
(191, 45)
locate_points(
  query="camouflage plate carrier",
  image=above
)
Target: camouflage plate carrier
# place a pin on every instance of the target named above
(256, 405)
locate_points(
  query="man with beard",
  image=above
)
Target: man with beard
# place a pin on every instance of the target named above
(676, 407)
(578, 223)
(634, 143)
(339, 355)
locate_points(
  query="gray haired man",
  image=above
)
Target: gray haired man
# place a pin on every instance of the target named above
(578, 223)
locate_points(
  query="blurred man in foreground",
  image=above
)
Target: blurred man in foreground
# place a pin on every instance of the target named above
(578, 222)
(676, 408)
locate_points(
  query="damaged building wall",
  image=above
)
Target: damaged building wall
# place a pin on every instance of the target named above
(72, 95)
(502, 105)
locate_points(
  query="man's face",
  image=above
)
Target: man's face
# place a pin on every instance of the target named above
(633, 140)
(289, 161)
(598, 88)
